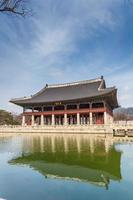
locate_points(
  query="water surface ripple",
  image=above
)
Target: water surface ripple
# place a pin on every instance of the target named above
(63, 167)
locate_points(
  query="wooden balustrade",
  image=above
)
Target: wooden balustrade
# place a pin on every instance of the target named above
(62, 112)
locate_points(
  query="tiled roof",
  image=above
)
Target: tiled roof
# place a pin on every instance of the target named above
(67, 92)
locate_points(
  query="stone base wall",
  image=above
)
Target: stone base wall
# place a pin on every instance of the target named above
(84, 129)
(91, 129)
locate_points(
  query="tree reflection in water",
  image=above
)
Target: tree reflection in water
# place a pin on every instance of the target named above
(79, 158)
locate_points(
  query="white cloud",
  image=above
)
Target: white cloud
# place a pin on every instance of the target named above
(41, 49)
(124, 82)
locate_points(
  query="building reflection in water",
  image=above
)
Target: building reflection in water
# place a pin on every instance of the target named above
(78, 158)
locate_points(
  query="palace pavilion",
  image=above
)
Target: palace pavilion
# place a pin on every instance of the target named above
(78, 103)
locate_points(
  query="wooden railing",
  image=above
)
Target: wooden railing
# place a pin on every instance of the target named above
(62, 112)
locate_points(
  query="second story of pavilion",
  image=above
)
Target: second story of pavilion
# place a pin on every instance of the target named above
(70, 97)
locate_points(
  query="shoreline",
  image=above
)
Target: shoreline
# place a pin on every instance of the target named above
(80, 129)
(108, 137)
(110, 132)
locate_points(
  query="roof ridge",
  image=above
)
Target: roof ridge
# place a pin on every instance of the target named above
(74, 83)
(113, 87)
(20, 98)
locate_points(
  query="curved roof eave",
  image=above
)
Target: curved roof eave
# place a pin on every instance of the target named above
(23, 102)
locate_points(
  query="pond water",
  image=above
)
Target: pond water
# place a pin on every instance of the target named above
(65, 167)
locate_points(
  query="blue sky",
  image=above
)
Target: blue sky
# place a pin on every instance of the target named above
(67, 41)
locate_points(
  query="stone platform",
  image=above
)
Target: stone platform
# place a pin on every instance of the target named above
(103, 130)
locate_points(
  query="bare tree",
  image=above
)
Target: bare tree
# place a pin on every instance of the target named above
(17, 7)
(120, 116)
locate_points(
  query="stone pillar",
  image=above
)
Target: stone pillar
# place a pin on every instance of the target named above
(65, 119)
(32, 120)
(59, 120)
(91, 121)
(88, 121)
(42, 120)
(78, 119)
(105, 118)
(53, 120)
(23, 120)
(90, 114)
(78, 115)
